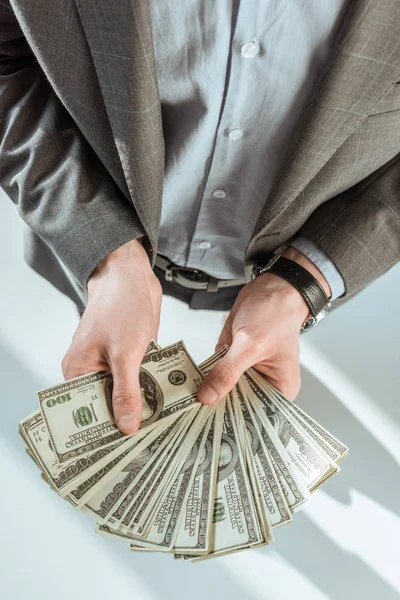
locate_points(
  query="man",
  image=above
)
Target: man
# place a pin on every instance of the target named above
(270, 130)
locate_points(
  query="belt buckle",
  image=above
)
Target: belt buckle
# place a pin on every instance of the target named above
(190, 275)
(169, 272)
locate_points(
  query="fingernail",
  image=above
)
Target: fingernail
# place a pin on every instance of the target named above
(208, 395)
(129, 421)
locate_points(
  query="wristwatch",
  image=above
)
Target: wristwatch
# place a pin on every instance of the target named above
(305, 283)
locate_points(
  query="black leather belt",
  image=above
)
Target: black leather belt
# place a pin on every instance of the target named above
(193, 278)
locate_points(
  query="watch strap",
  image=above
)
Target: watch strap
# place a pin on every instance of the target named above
(301, 279)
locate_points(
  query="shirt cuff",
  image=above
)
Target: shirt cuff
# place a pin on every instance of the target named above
(324, 264)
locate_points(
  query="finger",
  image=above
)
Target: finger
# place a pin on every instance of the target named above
(77, 363)
(226, 334)
(285, 377)
(224, 376)
(127, 397)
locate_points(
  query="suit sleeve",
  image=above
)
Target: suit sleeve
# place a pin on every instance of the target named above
(359, 230)
(49, 170)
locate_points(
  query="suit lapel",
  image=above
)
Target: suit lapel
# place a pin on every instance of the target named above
(362, 67)
(120, 41)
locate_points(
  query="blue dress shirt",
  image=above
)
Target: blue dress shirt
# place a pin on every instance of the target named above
(233, 78)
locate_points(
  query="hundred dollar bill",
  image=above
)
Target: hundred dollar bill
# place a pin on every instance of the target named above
(195, 559)
(305, 432)
(148, 488)
(42, 430)
(121, 535)
(161, 530)
(333, 447)
(294, 488)
(167, 511)
(314, 465)
(33, 431)
(164, 475)
(194, 533)
(246, 445)
(88, 488)
(304, 426)
(235, 521)
(203, 487)
(206, 366)
(195, 528)
(272, 497)
(152, 346)
(142, 487)
(102, 504)
(78, 412)
(146, 515)
(148, 469)
(66, 477)
(86, 470)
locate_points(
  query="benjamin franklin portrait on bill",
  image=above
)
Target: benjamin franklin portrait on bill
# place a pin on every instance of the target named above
(152, 397)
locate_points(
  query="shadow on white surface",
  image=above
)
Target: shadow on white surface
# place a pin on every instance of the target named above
(345, 551)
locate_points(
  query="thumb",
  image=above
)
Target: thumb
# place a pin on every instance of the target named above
(224, 376)
(127, 397)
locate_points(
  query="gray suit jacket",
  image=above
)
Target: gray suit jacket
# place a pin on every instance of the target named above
(82, 152)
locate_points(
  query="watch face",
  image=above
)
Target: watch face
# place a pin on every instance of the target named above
(308, 324)
(312, 321)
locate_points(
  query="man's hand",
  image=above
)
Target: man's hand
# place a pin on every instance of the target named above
(121, 317)
(262, 330)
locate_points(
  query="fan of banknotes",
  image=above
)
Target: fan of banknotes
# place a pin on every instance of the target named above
(195, 481)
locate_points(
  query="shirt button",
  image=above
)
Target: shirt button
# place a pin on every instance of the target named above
(235, 134)
(205, 245)
(250, 49)
(219, 193)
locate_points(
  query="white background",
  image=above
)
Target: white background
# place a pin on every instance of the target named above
(345, 545)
